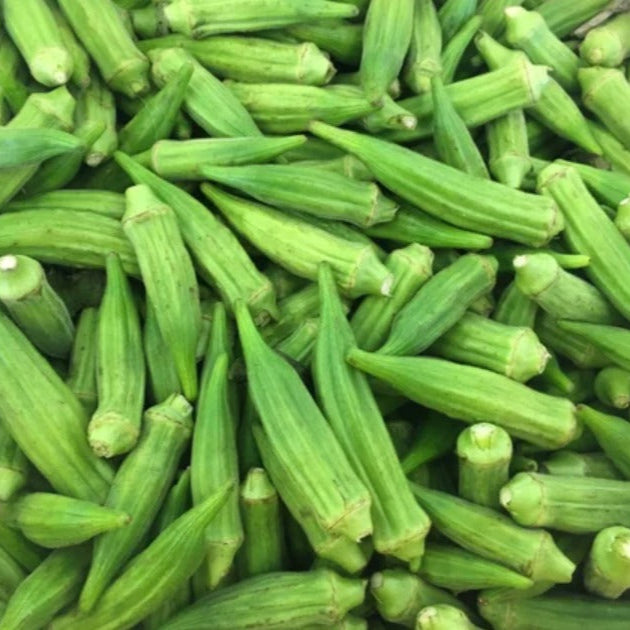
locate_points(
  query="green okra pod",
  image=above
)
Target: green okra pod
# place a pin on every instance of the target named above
(52, 520)
(622, 218)
(14, 467)
(169, 278)
(136, 491)
(453, 14)
(25, 553)
(484, 452)
(613, 150)
(346, 165)
(563, 16)
(612, 387)
(570, 464)
(578, 505)
(207, 100)
(607, 571)
(81, 377)
(423, 60)
(493, 14)
(103, 202)
(46, 420)
(608, 44)
(452, 195)
(393, 116)
(115, 424)
(449, 293)
(51, 586)
(509, 160)
(19, 147)
(490, 534)
(218, 255)
(292, 310)
(11, 74)
(263, 549)
(285, 283)
(443, 617)
(505, 254)
(514, 308)
(35, 306)
(360, 203)
(189, 159)
(174, 555)
(454, 50)
(474, 395)
(11, 575)
(298, 347)
(101, 28)
(357, 268)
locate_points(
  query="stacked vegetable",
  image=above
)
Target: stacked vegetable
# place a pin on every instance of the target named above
(304, 295)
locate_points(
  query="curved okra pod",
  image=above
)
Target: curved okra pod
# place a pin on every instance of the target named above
(475, 395)
(174, 555)
(509, 160)
(612, 387)
(443, 617)
(608, 44)
(570, 464)
(484, 452)
(219, 257)
(48, 589)
(115, 425)
(491, 535)
(454, 196)
(207, 100)
(578, 505)
(386, 39)
(514, 308)
(449, 293)
(35, 306)
(101, 28)
(138, 492)
(81, 377)
(359, 203)
(169, 278)
(300, 247)
(423, 59)
(455, 48)
(607, 571)
(52, 520)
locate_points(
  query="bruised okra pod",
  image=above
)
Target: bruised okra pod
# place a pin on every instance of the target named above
(514, 308)
(219, 257)
(423, 60)
(514, 351)
(579, 505)
(588, 230)
(484, 451)
(169, 278)
(115, 425)
(35, 306)
(174, 555)
(357, 268)
(138, 492)
(607, 571)
(386, 40)
(33, 28)
(453, 196)
(490, 534)
(263, 549)
(209, 102)
(14, 467)
(570, 464)
(475, 395)
(443, 617)
(609, 44)
(612, 387)
(100, 27)
(52, 520)
(411, 268)
(508, 147)
(449, 293)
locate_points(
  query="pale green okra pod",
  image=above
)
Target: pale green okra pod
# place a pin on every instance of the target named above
(607, 571)
(608, 44)
(612, 387)
(443, 617)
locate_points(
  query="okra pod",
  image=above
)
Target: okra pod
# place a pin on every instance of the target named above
(453, 14)
(115, 425)
(612, 387)
(423, 60)
(509, 160)
(219, 257)
(455, 48)
(609, 44)
(479, 395)
(11, 74)
(493, 14)
(298, 347)
(452, 195)
(11, 575)
(622, 217)
(20, 147)
(613, 150)
(136, 491)
(357, 269)
(207, 100)
(347, 165)
(450, 292)
(570, 464)
(292, 310)
(103, 202)
(285, 283)
(515, 308)
(607, 571)
(14, 467)
(443, 617)
(579, 505)
(393, 116)
(24, 552)
(491, 535)
(101, 28)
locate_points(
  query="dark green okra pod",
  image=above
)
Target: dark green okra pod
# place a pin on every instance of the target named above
(423, 60)
(82, 369)
(612, 387)
(607, 571)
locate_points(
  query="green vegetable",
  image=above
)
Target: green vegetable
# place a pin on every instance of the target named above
(608, 567)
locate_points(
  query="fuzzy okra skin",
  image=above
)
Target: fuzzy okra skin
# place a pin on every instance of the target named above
(423, 59)
(475, 395)
(439, 304)
(139, 491)
(300, 247)
(454, 196)
(81, 377)
(608, 44)
(168, 276)
(14, 467)
(490, 534)
(607, 571)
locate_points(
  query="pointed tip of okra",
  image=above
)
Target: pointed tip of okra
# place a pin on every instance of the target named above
(111, 434)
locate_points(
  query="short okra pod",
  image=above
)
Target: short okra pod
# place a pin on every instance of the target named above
(423, 59)
(509, 160)
(607, 571)
(14, 467)
(484, 452)
(166, 431)
(357, 269)
(612, 387)
(578, 505)
(35, 306)
(571, 464)
(115, 425)
(514, 308)
(443, 617)
(608, 44)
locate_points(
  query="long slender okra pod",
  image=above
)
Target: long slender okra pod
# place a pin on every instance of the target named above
(455, 48)
(11, 80)
(479, 395)
(443, 617)
(300, 248)
(509, 160)
(14, 467)
(35, 306)
(135, 490)
(607, 571)
(496, 537)
(82, 369)
(102, 202)
(609, 44)
(115, 425)
(21, 147)
(219, 256)
(570, 464)
(612, 387)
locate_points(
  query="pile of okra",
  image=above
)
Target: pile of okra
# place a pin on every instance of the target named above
(314, 314)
